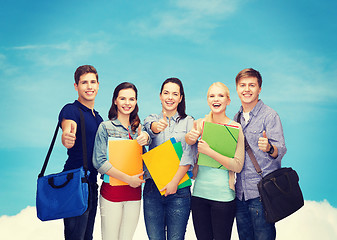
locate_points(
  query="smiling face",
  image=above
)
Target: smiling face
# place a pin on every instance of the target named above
(217, 99)
(248, 91)
(170, 98)
(87, 88)
(126, 101)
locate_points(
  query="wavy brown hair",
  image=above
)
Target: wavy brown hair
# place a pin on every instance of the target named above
(113, 112)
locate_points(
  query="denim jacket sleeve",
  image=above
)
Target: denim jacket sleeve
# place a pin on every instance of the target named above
(99, 158)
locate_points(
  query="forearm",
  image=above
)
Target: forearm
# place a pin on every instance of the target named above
(182, 170)
(114, 172)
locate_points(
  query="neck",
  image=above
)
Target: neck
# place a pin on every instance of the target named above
(88, 104)
(248, 107)
(170, 113)
(220, 118)
(124, 119)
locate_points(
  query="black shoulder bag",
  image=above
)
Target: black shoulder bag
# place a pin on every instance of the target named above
(279, 190)
(63, 194)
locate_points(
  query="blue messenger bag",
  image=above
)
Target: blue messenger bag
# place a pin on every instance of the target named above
(64, 194)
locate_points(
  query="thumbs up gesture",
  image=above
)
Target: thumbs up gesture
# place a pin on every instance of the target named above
(194, 134)
(263, 143)
(143, 137)
(162, 123)
(69, 133)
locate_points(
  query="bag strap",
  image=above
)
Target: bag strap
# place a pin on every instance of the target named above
(84, 146)
(250, 151)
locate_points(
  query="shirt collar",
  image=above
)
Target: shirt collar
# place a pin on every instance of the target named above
(84, 108)
(175, 117)
(116, 122)
(256, 109)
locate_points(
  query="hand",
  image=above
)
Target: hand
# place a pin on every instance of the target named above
(142, 138)
(162, 123)
(194, 134)
(170, 188)
(135, 181)
(68, 138)
(203, 147)
(263, 143)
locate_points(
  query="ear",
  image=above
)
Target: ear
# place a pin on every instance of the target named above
(76, 87)
(228, 101)
(181, 98)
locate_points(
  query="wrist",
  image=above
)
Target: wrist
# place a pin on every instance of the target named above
(271, 149)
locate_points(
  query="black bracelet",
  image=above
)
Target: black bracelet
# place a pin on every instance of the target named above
(271, 150)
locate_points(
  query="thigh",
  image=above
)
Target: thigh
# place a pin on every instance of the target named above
(130, 219)
(223, 214)
(75, 227)
(263, 230)
(243, 220)
(111, 216)
(154, 212)
(201, 216)
(178, 208)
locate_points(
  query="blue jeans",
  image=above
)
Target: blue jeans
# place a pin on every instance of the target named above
(82, 227)
(251, 221)
(166, 217)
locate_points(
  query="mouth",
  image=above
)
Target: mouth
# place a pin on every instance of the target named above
(169, 103)
(89, 92)
(126, 108)
(216, 105)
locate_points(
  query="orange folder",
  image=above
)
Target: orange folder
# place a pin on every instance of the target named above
(163, 163)
(126, 156)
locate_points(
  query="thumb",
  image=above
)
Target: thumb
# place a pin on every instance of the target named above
(164, 116)
(264, 134)
(139, 129)
(72, 128)
(195, 125)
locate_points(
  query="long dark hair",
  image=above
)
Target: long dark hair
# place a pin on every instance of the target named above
(113, 112)
(181, 106)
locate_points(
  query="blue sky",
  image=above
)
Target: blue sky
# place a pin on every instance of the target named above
(292, 44)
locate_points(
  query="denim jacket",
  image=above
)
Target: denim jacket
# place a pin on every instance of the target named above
(111, 128)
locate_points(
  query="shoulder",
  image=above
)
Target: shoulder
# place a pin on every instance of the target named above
(70, 112)
(151, 118)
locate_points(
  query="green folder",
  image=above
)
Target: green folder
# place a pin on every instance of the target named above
(222, 139)
(179, 150)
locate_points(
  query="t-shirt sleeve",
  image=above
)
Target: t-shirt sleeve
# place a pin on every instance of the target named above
(69, 112)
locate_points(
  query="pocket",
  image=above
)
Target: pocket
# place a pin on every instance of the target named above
(179, 134)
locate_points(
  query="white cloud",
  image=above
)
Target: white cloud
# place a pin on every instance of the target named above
(186, 18)
(316, 220)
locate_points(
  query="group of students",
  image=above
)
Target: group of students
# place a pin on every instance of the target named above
(218, 195)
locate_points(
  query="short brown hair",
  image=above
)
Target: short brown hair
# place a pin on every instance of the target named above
(84, 69)
(249, 72)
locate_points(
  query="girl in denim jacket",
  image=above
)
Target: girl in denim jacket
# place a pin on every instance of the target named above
(119, 205)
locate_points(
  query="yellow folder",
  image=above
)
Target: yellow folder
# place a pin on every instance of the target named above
(126, 156)
(163, 163)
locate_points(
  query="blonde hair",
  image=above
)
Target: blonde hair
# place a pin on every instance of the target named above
(220, 85)
(209, 117)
